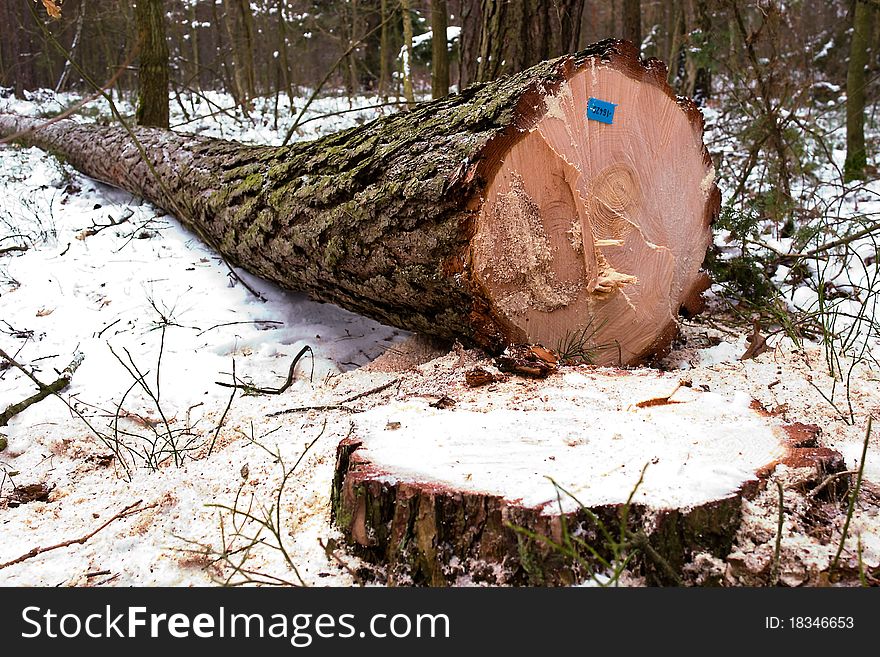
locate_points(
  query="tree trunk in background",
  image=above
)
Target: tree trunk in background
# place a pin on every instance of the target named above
(702, 87)
(676, 32)
(440, 49)
(10, 49)
(469, 43)
(407, 59)
(517, 34)
(239, 26)
(353, 31)
(384, 54)
(856, 79)
(25, 68)
(283, 52)
(371, 50)
(195, 79)
(71, 53)
(152, 109)
(569, 14)
(493, 38)
(632, 22)
(497, 215)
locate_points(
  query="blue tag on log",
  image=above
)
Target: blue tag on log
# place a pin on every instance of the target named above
(600, 110)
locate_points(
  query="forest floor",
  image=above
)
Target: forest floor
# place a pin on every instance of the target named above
(230, 491)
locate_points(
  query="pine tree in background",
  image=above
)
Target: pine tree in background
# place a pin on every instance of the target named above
(632, 21)
(440, 53)
(856, 79)
(407, 53)
(152, 108)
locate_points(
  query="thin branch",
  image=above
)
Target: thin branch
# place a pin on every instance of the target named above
(73, 109)
(44, 390)
(256, 321)
(371, 391)
(303, 409)
(354, 44)
(127, 511)
(853, 496)
(223, 417)
(274, 391)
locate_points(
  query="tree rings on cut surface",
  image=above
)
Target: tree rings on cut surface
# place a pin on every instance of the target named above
(600, 229)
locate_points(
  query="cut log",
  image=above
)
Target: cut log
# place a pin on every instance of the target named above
(499, 215)
(437, 495)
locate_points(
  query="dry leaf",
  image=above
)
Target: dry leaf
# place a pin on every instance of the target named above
(42, 312)
(53, 7)
(757, 343)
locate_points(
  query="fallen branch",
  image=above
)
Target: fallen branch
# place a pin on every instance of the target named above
(256, 321)
(340, 406)
(44, 390)
(873, 228)
(828, 480)
(274, 391)
(371, 391)
(96, 228)
(127, 511)
(303, 409)
(330, 548)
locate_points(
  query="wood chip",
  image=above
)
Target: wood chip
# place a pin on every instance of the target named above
(533, 361)
(480, 376)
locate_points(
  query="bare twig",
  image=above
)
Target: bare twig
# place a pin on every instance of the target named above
(223, 417)
(303, 409)
(828, 480)
(330, 550)
(853, 496)
(127, 511)
(371, 391)
(44, 390)
(255, 321)
(274, 391)
(777, 551)
(354, 44)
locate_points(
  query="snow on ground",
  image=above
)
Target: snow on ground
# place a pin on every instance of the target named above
(159, 320)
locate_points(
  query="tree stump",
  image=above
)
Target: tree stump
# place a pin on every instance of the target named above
(440, 494)
(502, 214)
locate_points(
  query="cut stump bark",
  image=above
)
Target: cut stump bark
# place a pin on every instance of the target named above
(499, 215)
(437, 495)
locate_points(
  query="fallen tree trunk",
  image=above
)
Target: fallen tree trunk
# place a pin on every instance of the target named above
(498, 215)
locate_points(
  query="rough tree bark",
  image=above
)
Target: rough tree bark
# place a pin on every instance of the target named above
(152, 108)
(498, 215)
(856, 80)
(632, 21)
(516, 34)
